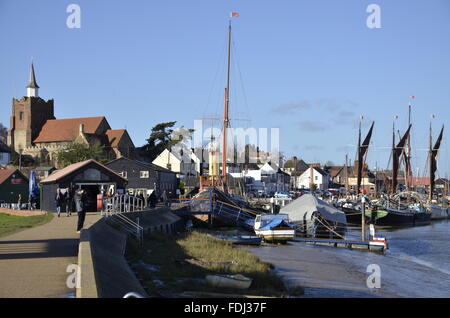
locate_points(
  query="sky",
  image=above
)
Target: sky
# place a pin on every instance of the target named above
(309, 68)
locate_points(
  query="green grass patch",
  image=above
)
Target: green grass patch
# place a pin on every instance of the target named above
(174, 264)
(10, 224)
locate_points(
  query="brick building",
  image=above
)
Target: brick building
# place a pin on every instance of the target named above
(35, 131)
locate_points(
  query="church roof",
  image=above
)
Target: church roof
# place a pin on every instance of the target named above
(32, 83)
(115, 136)
(57, 130)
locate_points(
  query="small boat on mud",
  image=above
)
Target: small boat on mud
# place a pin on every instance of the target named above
(274, 227)
(229, 281)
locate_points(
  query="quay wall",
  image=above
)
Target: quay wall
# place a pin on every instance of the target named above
(103, 271)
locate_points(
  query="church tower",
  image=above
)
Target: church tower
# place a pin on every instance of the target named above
(29, 114)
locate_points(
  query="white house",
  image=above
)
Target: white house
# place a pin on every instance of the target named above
(320, 178)
(181, 161)
(5, 154)
(268, 178)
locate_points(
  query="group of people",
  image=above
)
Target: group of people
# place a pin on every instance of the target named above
(70, 198)
(31, 202)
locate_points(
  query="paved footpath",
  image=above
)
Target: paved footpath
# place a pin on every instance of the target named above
(33, 262)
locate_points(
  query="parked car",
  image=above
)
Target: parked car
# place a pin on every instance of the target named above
(282, 195)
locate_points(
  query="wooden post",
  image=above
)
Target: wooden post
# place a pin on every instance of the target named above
(363, 218)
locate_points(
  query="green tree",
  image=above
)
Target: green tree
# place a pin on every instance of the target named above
(76, 152)
(163, 136)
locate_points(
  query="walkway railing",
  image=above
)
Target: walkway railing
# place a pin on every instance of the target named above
(124, 203)
(115, 211)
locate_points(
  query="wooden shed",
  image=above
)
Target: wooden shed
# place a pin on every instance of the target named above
(89, 175)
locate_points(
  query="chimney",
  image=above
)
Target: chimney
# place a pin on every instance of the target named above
(81, 129)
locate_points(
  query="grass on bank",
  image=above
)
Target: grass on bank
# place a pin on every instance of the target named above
(10, 224)
(180, 263)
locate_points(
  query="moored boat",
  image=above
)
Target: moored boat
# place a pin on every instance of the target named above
(438, 212)
(274, 227)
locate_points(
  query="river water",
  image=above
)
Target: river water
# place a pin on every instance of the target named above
(417, 264)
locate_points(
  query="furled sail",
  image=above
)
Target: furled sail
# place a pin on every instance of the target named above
(361, 153)
(433, 160)
(396, 153)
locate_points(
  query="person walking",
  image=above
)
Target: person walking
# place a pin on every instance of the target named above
(59, 199)
(165, 199)
(80, 200)
(19, 202)
(30, 202)
(153, 199)
(69, 200)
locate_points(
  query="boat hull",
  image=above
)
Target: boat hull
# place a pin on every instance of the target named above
(438, 213)
(353, 216)
(401, 218)
(276, 234)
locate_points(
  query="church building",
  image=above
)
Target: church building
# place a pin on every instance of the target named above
(35, 131)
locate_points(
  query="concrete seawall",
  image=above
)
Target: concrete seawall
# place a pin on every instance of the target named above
(103, 270)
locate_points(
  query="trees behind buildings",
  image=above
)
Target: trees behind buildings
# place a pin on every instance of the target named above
(76, 152)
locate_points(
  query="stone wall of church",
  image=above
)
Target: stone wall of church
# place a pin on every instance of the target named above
(28, 116)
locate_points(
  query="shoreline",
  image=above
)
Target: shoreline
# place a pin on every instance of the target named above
(318, 270)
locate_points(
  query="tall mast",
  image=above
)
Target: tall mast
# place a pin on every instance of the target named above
(430, 192)
(394, 174)
(358, 182)
(225, 113)
(408, 154)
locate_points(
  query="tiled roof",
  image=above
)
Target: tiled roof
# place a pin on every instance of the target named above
(6, 173)
(55, 176)
(67, 129)
(144, 164)
(114, 136)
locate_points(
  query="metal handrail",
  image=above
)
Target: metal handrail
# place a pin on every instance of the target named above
(124, 203)
(114, 213)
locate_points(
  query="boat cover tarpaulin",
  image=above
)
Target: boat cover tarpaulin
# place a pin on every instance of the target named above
(305, 207)
(276, 223)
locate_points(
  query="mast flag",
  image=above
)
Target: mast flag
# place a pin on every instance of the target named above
(234, 15)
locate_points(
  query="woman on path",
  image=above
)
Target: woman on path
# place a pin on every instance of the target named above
(80, 202)
(59, 199)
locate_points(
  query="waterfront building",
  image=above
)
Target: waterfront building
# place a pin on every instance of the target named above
(144, 177)
(12, 184)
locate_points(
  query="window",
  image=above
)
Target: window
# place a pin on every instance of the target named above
(316, 178)
(144, 174)
(123, 174)
(21, 116)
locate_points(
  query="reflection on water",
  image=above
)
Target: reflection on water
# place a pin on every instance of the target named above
(416, 265)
